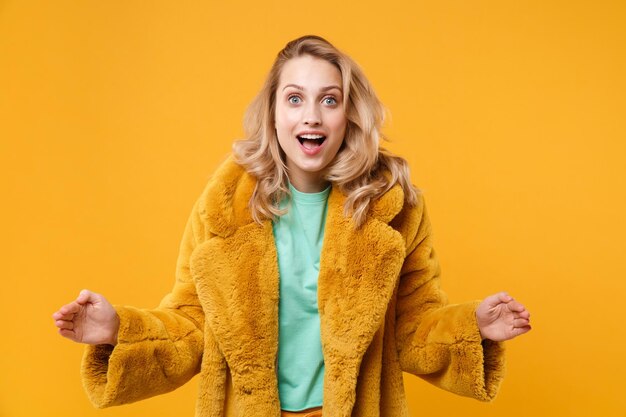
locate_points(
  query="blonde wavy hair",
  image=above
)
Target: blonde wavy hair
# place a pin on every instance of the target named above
(362, 169)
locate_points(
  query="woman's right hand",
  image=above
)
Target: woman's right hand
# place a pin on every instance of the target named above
(89, 319)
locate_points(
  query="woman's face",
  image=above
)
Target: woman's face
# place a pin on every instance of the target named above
(310, 121)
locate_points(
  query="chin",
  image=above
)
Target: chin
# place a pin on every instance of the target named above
(310, 169)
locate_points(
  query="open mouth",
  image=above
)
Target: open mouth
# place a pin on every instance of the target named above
(311, 141)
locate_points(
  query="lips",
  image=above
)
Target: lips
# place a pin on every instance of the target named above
(311, 142)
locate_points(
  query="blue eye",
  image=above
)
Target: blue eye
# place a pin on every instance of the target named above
(292, 98)
(331, 99)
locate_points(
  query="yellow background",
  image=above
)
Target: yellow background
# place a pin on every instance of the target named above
(511, 114)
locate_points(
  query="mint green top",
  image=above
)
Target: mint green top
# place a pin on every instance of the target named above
(299, 235)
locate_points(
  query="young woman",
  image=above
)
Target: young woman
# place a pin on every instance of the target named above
(309, 196)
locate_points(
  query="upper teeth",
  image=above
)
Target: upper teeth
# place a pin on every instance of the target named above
(311, 136)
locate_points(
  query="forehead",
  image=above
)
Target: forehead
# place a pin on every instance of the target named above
(309, 72)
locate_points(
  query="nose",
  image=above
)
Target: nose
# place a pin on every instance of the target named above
(312, 115)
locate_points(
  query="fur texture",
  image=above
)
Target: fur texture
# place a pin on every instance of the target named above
(381, 310)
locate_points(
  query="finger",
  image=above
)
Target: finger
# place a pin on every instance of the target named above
(523, 315)
(86, 296)
(516, 306)
(64, 324)
(520, 323)
(504, 297)
(68, 333)
(495, 299)
(60, 316)
(70, 309)
(521, 330)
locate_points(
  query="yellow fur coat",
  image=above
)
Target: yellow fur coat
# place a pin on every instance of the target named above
(381, 313)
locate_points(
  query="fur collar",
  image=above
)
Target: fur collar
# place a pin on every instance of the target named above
(225, 200)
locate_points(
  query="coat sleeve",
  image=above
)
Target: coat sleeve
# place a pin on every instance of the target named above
(158, 350)
(436, 341)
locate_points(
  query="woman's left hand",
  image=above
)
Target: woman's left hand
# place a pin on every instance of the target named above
(501, 318)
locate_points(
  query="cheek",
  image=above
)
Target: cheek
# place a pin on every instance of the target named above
(338, 124)
(285, 117)
(284, 128)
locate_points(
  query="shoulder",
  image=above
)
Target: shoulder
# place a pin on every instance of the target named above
(412, 221)
(223, 205)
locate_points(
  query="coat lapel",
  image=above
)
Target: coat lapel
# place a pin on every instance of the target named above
(237, 284)
(237, 280)
(236, 275)
(359, 270)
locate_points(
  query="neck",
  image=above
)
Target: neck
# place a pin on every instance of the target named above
(308, 184)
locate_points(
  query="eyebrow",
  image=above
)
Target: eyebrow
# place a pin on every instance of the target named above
(330, 87)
